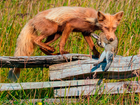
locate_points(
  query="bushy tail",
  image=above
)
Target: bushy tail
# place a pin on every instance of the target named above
(24, 47)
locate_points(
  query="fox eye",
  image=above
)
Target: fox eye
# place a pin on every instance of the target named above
(107, 28)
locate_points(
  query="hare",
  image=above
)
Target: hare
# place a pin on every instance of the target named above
(110, 49)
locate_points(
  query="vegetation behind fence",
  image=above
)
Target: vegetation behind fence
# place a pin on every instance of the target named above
(15, 13)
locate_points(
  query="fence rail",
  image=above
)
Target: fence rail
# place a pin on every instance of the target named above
(38, 61)
(104, 88)
(52, 84)
(121, 67)
(80, 67)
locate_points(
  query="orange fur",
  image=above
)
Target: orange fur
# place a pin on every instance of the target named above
(61, 21)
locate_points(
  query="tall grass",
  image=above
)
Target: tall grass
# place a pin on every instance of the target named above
(15, 13)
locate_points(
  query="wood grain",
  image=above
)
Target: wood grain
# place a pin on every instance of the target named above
(51, 84)
(38, 61)
(103, 88)
(119, 69)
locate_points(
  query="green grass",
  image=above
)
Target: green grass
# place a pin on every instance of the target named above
(11, 23)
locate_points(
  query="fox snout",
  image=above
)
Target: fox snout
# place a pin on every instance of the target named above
(110, 37)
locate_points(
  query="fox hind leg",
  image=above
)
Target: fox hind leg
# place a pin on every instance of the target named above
(45, 28)
(49, 40)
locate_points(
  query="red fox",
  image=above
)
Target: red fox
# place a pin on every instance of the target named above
(110, 49)
(61, 21)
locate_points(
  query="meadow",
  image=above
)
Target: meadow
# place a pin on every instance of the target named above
(15, 13)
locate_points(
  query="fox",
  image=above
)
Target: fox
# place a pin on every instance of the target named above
(110, 51)
(59, 22)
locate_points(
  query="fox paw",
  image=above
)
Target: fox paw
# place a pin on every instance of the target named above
(64, 52)
(47, 52)
(51, 49)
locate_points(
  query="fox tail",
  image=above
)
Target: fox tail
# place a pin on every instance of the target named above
(24, 47)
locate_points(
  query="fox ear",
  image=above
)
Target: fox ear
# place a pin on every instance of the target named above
(95, 36)
(119, 15)
(101, 16)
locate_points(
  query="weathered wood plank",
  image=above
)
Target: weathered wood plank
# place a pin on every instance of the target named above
(106, 88)
(120, 68)
(38, 85)
(38, 61)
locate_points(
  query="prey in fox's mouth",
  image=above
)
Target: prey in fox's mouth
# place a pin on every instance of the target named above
(110, 49)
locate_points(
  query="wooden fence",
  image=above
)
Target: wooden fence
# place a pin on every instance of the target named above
(75, 75)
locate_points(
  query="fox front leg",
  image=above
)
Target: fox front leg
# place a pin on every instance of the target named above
(102, 57)
(109, 59)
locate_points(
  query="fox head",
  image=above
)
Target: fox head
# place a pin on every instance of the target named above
(108, 23)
